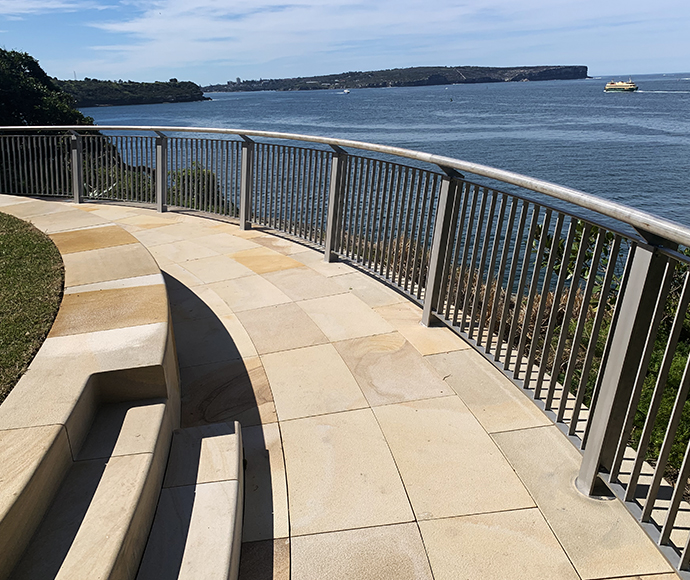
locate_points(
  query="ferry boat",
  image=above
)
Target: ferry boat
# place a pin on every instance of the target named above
(620, 87)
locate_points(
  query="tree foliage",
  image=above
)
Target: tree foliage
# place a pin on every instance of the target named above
(28, 96)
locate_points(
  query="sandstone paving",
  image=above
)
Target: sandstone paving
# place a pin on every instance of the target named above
(311, 381)
(450, 466)
(341, 474)
(516, 544)
(262, 260)
(368, 289)
(235, 390)
(180, 251)
(249, 293)
(429, 470)
(493, 399)
(303, 283)
(406, 318)
(599, 536)
(280, 327)
(105, 236)
(389, 370)
(393, 552)
(106, 264)
(216, 269)
(344, 316)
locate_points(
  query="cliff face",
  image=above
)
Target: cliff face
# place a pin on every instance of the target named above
(408, 77)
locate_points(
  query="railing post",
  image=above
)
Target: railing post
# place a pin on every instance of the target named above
(246, 183)
(439, 244)
(77, 148)
(335, 202)
(640, 294)
(161, 172)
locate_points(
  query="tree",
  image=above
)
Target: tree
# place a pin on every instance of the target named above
(28, 96)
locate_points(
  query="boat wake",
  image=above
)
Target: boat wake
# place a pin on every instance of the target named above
(672, 92)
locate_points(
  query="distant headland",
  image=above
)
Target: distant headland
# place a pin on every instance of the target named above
(96, 93)
(406, 77)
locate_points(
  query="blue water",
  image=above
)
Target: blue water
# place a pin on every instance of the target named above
(633, 148)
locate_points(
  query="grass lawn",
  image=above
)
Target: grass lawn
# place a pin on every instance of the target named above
(31, 280)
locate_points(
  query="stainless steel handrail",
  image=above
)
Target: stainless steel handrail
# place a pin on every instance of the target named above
(640, 220)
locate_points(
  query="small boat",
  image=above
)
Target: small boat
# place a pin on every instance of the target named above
(620, 87)
(346, 91)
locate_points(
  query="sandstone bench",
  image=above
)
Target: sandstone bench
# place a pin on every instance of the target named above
(85, 434)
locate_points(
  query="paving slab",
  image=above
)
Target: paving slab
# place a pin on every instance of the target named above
(280, 245)
(303, 283)
(389, 370)
(112, 308)
(368, 289)
(180, 251)
(203, 341)
(341, 474)
(107, 264)
(601, 538)
(406, 318)
(106, 236)
(249, 293)
(512, 544)
(280, 327)
(448, 463)
(235, 390)
(61, 221)
(216, 269)
(314, 260)
(391, 552)
(493, 399)
(225, 243)
(265, 491)
(262, 260)
(311, 381)
(344, 316)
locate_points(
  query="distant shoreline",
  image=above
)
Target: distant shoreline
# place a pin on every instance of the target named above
(405, 77)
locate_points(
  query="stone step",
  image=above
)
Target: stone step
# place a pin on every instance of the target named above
(97, 525)
(197, 531)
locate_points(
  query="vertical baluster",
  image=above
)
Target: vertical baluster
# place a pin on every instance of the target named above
(531, 293)
(512, 335)
(565, 329)
(477, 260)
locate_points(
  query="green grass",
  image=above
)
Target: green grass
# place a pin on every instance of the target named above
(31, 280)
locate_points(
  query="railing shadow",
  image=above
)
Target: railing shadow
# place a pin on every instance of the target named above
(216, 386)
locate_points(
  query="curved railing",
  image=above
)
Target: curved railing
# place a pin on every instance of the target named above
(582, 302)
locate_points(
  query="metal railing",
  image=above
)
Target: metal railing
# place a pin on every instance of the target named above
(592, 323)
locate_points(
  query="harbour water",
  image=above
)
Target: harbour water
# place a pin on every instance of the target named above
(633, 148)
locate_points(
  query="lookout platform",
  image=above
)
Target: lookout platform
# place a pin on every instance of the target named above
(375, 447)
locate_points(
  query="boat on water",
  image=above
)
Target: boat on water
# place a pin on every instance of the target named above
(620, 87)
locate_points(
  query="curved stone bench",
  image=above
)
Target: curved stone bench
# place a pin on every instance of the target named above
(85, 434)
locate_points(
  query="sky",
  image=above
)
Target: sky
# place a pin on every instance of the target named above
(213, 41)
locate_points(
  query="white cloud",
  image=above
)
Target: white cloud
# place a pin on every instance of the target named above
(15, 7)
(300, 37)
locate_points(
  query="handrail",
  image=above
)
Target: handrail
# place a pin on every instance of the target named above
(643, 222)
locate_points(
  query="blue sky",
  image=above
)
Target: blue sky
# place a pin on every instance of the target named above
(212, 41)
